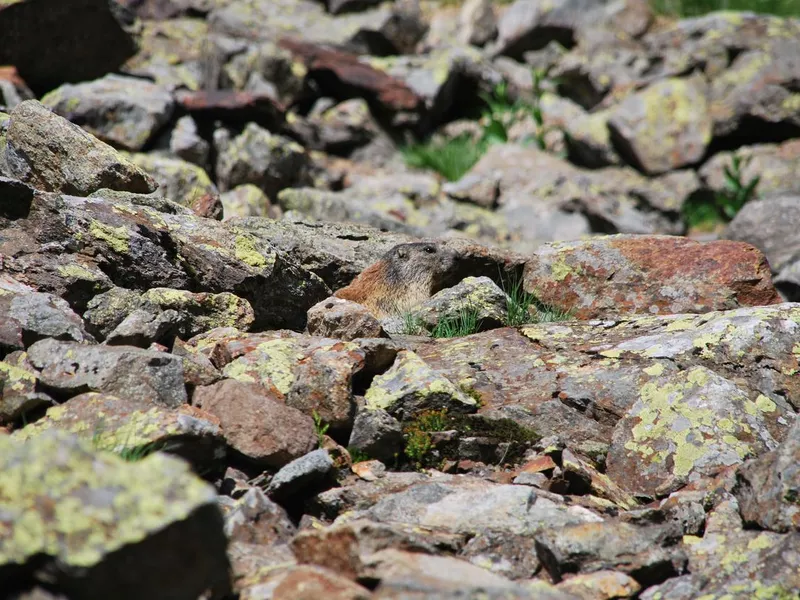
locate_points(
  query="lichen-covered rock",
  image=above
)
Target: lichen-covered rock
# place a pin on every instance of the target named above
(107, 527)
(185, 142)
(601, 585)
(92, 40)
(195, 312)
(130, 427)
(125, 112)
(69, 369)
(34, 316)
(19, 393)
(256, 423)
(768, 488)
(411, 386)
(247, 201)
(71, 160)
(648, 554)
(477, 297)
(622, 274)
(663, 127)
(685, 425)
(269, 161)
(301, 581)
(182, 182)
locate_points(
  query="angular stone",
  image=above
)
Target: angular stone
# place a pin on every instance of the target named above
(302, 477)
(121, 529)
(306, 582)
(343, 320)
(36, 316)
(648, 554)
(267, 160)
(622, 274)
(768, 488)
(72, 161)
(69, 368)
(18, 389)
(125, 112)
(182, 182)
(411, 386)
(663, 127)
(247, 201)
(685, 425)
(601, 585)
(128, 427)
(377, 434)
(186, 143)
(256, 424)
(92, 41)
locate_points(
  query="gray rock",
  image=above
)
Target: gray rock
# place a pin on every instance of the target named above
(477, 22)
(69, 368)
(126, 112)
(185, 142)
(269, 161)
(342, 319)
(377, 434)
(301, 477)
(71, 161)
(245, 201)
(105, 519)
(33, 316)
(142, 328)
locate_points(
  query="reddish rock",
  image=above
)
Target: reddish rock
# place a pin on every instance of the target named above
(301, 583)
(355, 75)
(625, 274)
(256, 423)
(233, 107)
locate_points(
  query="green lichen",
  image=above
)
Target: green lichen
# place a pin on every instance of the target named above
(272, 362)
(246, 251)
(15, 379)
(117, 238)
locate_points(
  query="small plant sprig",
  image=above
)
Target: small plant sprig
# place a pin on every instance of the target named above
(357, 455)
(465, 322)
(519, 304)
(418, 438)
(320, 427)
(726, 203)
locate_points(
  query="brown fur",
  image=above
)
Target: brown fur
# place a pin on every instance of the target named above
(404, 277)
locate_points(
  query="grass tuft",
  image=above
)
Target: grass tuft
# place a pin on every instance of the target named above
(704, 213)
(452, 158)
(695, 8)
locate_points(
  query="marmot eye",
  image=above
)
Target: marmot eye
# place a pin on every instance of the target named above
(430, 249)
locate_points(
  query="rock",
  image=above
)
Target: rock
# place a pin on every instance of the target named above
(686, 425)
(269, 161)
(341, 128)
(232, 107)
(477, 23)
(13, 88)
(402, 574)
(601, 585)
(377, 434)
(247, 201)
(69, 368)
(712, 276)
(19, 395)
(768, 487)
(758, 86)
(411, 386)
(142, 328)
(648, 554)
(473, 296)
(266, 69)
(342, 319)
(71, 162)
(257, 424)
(301, 582)
(33, 316)
(125, 112)
(182, 182)
(92, 41)
(323, 383)
(682, 127)
(110, 512)
(190, 313)
(185, 142)
(302, 477)
(131, 428)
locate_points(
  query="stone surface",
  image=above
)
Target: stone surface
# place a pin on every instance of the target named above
(257, 424)
(137, 109)
(301, 477)
(111, 513)
(342, 319)
(69, 368)
(377, 434)
(72, 161)
(246, 201)
(636, 274)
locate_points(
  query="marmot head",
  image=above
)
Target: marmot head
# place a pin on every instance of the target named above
(420, 262)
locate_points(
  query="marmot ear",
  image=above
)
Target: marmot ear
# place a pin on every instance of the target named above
(401, 253)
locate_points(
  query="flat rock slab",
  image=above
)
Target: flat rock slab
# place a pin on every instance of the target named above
(69, 369)
(622, 274)
(121, 530)
(91, 43)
